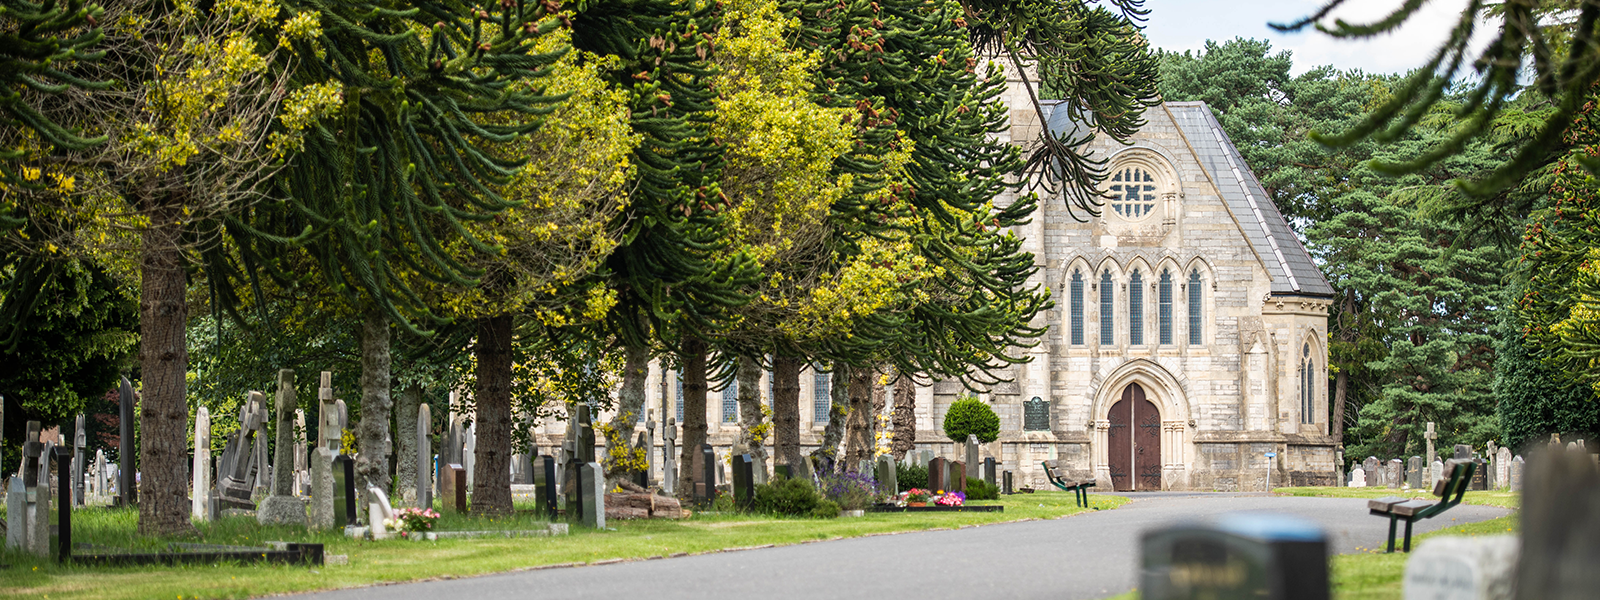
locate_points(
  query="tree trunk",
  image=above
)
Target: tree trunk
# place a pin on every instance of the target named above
(630, 406)
(839, 401)
(164, 363)
(751, 434)
(1341, 386)
(786, 410)
(858, 424)
(694, 417)
(372, 444)
(491, 471)
(405, 427)
(905, 416)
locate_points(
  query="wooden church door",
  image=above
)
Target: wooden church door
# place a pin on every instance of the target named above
(1134, 442)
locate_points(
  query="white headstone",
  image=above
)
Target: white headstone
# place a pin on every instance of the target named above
(1462, 568)
(1358, 477)
(469, 453)
(202, 465)
(1437, 468)
(1502, 468)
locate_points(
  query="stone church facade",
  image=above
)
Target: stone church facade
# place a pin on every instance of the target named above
(1187, 348)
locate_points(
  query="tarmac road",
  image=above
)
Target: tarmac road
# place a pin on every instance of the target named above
(1086, 556)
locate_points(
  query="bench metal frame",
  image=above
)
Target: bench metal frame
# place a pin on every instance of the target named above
(1079, 489)
(1454, 488)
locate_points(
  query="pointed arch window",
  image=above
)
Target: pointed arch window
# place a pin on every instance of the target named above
(730, 402)
(822, 398)
(1108, 335)
(1308, 386)
(1164, 293)
(1076, 304)
(1196, 311)
(1136, 309)
(679, 396)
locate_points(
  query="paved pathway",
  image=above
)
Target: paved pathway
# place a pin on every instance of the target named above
(1081, 557)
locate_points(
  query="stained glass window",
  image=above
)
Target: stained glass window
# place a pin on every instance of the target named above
(1133, 192)
(1077, 308)
(1196, 310)
(1165, 299)
(1136, 309)
(822, 396)
(1107, 334)
(730, 402)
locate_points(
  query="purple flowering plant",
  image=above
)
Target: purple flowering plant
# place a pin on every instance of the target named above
(852, 491)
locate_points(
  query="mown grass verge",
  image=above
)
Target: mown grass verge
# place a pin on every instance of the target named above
(398, 560)
(1500, 498)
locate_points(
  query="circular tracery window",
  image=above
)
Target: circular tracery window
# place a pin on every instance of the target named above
(1133, 192)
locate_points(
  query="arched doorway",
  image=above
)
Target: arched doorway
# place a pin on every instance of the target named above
(1133, 445)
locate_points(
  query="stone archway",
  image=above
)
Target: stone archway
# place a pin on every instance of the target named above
(1169, 418)
(1133, 448)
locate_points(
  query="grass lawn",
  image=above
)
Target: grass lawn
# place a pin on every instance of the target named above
(1503, 499)
(400, 560)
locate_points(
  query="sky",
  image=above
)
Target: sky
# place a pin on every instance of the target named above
(1187, 24)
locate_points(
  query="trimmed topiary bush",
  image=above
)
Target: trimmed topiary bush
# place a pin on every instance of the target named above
(978, 489)
(970, 416)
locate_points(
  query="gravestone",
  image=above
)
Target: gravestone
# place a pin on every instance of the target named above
(469, 454)
(1358, 477)
(1242, 556)
(642, 477)
(282, 508)
(100, 474)
(302, 466)
(201, 489)
(1006, 484)
(323, 486)
(453, 487)
(669, 457)
(594, 495)
(544, 477)
(1392, 473)
(1374, 473)
(1514, 474)
(972, 457)
(1463, 452)
(649, 445)
(1429, 436)
(924, 458)
(580, 451)
(424, 458)
(744, 481)
(958, 477)
(1036, 415)
(39, 505)
(888, 478)
(1489, 466)
(707, 486)
(1480, 476)
(378, 510)
(80, 443)
(1437, 470)
(239, 458)
(1502, 468)
(938, 475)
(127, 491)
(988, 470)
(344, 498)
(1560, 527)
(1465, 568)
(16, 514)
(1414, 472)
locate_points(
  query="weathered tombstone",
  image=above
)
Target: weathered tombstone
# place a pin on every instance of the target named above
(1243, 556)
(1392, 476)
(971, 461)
(1560, 528)
(344, 499)
(958, 477)
(1468, 568)
(1480, 477)
(302, 473)
(669, 457)
(707, 486)
(1374, 473)
(888, 479)
(100, 472)
(594, 495)
(80, 443)
(545, 478)
(323, 486)
(282, 508)
(1437, 469)
(1463, 452)
(988, 470)
(1514, 474)
(1414, 472)
(240, 456)
(744, 481)
(642, 477)
(378, 510)
(202, 465)
(1489, 466)
(1358, 477)
(452, 486)
(1502, 468)
(1006, 487)
(16, 514)
(1429, 436)
(424, 458)
(469, 454)
(938, 475)
(127, 491)
(39, 503)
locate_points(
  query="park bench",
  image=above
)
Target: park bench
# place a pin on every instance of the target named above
(1058, 477)
(1449, 491)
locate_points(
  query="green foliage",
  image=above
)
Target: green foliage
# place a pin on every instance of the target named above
(826, 509)
(784, 496)
(1534, 400)
(970, 416)
(909, 476)
(1559, 307)
(978, 489)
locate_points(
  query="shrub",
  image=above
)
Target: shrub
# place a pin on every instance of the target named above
(723, 502)
(978, 489)
(784, 496)
(970, 416)
(852, 491)
(826, 509)
(911, 476)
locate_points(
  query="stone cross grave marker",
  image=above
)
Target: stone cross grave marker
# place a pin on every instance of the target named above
(1374, 475)
(80, 444)
(202, 466)
(1414, 472)
(424, 458)
(1451, 567)
(1392, 474)
(972, 456)
(669, 457)
(1429, 436)
(282, 508)
(323, 484)
(1560, 527)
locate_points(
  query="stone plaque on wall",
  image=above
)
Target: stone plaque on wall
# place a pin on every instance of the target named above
(1036, 415)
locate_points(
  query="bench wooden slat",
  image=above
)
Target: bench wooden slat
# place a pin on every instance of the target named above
(1384, 504)
(1411, 507)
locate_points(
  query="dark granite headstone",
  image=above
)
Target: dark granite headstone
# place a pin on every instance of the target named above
(344, 491)
(1414, 472)
(1006, 485)
(459, 475)
(545, 478)
(127, 490)
(1036, 415)
(744, 481)
(1560, 527)
(988, 470)
(958, 476)
(1480, 476)
(938, 475)
(707, 486)
(780, 471)
(1243, 556)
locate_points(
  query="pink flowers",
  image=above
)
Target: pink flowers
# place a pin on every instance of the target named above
(939, 498)
(412, 519)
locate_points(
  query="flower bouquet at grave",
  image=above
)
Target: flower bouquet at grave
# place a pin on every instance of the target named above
(914, 496)
(407, 520)
(951, 499)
